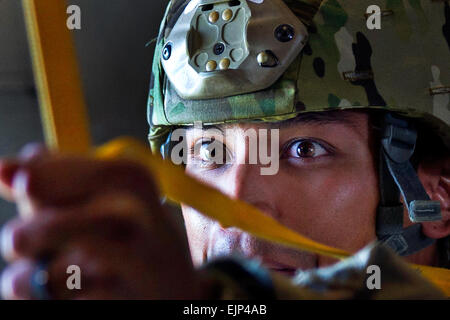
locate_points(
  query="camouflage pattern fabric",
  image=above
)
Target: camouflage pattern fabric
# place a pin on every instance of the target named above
(388, 276)
(403, 67)
(349, 279)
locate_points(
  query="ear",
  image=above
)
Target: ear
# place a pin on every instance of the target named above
(435, 177)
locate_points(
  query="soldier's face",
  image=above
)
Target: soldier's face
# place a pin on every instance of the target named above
(326, 188)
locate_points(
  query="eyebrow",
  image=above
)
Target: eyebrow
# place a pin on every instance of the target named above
(316, 118)
(310, 118)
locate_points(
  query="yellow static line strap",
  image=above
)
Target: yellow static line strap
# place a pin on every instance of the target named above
(440, 277)
(66, 127)
(56, 75)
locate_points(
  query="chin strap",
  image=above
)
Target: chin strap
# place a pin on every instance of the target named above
(397, 176)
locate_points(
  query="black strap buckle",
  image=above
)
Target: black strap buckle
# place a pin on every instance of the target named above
(397, 176)
(410, 241)
(399, 140)
(398, 145)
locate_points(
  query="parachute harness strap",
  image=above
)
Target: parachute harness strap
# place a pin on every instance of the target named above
(397, 176)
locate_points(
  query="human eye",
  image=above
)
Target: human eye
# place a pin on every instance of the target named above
(306, 149)
(209, 153)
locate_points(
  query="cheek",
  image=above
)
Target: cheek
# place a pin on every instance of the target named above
(198, 228)
(335, 206)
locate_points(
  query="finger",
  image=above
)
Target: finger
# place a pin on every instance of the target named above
(8, 169)
(81, 268)
(111, 216)
(92, 265)
(94, 269)
(105, 271)
(33, 152)
(64, 181)
(15, 281)
(10, 240)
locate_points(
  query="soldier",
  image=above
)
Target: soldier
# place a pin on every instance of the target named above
(363, 131)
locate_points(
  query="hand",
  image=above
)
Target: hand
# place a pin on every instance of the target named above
(103, 216)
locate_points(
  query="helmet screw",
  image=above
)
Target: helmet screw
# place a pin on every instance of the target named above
(227, 15)
(284, 33)
(267, 59)
(219, 48)
(262, 58)
(211, 65)
(167, 51)
(213, 17)
(224, 64)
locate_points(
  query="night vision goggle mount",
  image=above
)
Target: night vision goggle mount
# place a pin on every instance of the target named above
(221, 48)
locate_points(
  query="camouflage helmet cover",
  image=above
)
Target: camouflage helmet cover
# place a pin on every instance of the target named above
(402, 67)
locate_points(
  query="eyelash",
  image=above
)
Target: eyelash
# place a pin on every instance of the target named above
(284, 153)
(204, 164)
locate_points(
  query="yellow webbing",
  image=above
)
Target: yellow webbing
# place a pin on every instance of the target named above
(56, 75)
(65, 121)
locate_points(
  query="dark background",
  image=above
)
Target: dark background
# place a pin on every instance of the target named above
(115, 65)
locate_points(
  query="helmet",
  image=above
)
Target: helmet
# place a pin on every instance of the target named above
(221, 61)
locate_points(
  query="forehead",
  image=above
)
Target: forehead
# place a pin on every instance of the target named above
(351, 119)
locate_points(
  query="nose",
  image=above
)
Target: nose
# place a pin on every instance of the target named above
(245, 182)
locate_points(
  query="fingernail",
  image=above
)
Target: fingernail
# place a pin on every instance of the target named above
(15, 281)
(21, 193)
(19, 183)
(32, 150)
(7, 243)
